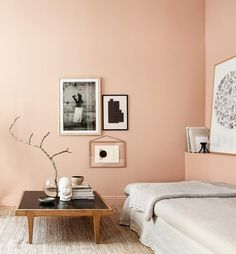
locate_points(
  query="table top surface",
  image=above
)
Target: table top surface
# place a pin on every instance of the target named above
(29, 201)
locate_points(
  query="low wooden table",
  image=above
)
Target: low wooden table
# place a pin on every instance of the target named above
(29, 206)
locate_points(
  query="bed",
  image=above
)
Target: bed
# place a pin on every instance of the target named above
(198, 225)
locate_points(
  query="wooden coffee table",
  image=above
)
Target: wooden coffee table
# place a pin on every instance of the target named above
(30, 207)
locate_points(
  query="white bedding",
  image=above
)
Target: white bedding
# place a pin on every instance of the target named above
(144, 196)
(162, 238)
(209, 221)
(186, 225)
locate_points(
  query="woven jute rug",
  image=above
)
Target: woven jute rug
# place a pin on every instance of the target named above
(62, 235)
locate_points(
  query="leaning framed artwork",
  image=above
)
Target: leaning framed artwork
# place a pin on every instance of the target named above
(115, 112)
(223, 119)
(79, 106)
(107, 152)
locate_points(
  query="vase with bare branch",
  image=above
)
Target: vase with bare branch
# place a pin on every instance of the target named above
(41, 148)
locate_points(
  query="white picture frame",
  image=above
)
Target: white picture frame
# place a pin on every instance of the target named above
(79, 106)
(111, 153)
(223, 118)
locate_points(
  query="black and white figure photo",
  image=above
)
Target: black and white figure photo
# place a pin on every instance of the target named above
(79, 106)
(223, 121)
(115, 112)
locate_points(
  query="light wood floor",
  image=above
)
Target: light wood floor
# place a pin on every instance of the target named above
(66, 235)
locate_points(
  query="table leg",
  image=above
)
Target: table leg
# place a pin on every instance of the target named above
(30, 218)
(96, 225)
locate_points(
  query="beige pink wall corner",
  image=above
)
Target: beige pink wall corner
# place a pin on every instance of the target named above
(220, 45)
(152, 50)
(220, 41)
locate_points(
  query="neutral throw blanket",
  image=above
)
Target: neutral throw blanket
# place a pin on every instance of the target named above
(143, 196)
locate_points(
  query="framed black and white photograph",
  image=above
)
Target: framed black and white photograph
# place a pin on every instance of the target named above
(223, 119)
(80, 106)
(115, 112)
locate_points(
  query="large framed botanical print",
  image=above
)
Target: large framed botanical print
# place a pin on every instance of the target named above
(223, 119)
(80, 106)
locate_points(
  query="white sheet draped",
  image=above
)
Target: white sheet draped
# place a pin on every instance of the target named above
(143, 196)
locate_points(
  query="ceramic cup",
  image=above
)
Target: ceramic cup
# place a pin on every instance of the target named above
(77, 180)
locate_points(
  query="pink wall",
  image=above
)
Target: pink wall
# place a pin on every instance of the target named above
(152, 50)
(220, 44)
(210, 167)
(220, 41)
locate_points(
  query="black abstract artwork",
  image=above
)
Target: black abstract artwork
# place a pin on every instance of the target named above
(115, 114)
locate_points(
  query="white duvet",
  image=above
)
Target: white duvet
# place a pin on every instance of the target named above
(144, 196)
(208, 221)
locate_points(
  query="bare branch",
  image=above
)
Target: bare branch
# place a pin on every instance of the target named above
(13, 135)
(18, 139)
(64, 151)
(30, 138)
(44, 139)
(13, 123)
(28, 142)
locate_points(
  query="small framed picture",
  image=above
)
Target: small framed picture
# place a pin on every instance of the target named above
(115, 112)
(80, 106)
(109, 153)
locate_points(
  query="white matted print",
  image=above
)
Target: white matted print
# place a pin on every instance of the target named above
(80, 106)
(223, 119)
(106, 154)
(115, 112)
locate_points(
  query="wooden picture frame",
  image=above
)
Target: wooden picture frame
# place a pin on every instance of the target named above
(223, 116)
(79, 106)
(115, 112)
(107, 152)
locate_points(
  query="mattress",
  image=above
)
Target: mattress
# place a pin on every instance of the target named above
(162, 238)
(211, 222)
(186, 225)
